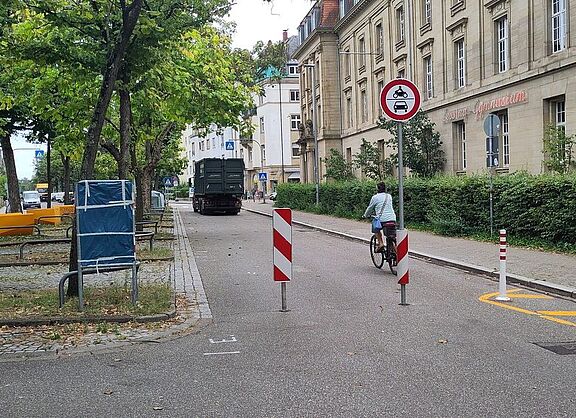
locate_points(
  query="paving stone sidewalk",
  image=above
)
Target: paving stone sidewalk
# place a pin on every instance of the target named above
(551, 267)
(182, 273)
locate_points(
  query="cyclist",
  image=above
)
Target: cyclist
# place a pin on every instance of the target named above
(381, 206)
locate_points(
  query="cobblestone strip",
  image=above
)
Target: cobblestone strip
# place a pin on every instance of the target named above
(187, 277)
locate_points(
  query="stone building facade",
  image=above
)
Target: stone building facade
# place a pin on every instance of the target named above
(512, 58)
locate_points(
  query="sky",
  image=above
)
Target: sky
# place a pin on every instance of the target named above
(24, 154)
(258, 20)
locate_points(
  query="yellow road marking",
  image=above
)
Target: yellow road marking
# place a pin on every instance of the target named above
(557, 313)
(542, 314)
(524, 296)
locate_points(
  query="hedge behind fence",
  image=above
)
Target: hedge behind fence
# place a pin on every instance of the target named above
(542, 207)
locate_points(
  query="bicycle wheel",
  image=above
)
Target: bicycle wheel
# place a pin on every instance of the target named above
(391, 256)
(377, 257)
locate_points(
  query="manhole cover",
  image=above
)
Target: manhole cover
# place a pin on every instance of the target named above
(560, 348)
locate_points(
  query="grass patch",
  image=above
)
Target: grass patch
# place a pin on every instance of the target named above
(161, 253)
(99, 301)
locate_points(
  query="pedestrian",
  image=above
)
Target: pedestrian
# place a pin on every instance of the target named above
(254, 194)
(381, 207)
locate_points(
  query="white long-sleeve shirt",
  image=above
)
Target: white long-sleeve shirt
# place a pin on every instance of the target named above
(375, 207)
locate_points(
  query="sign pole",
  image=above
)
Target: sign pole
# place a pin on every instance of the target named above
(283, 291)
(402, 233)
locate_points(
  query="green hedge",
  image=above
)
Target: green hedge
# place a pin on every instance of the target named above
(534, 207)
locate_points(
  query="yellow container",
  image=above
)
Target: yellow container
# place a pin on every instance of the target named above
(46, 212)
(16, 219)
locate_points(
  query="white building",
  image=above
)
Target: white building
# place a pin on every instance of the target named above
(272, 148)
(216, 143)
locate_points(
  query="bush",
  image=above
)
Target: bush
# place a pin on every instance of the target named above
(529, 207)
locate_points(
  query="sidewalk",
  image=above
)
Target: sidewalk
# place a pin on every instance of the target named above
(554, 269)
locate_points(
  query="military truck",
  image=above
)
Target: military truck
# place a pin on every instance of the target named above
(218, 185)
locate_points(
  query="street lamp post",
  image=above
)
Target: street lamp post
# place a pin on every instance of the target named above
(261, 168)
(315, 132)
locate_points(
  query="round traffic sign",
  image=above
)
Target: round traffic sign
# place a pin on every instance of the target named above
(400, 99)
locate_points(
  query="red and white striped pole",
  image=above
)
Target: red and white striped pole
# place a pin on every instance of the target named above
(502, 280)
(282, 255)
(403, 268)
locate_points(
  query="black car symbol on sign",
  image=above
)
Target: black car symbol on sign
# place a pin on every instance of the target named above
(400, 105)
(400, 93)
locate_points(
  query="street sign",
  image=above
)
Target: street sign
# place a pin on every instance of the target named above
(175, 181)
(229, 145)
(167, 181)
(39, 153)
(492, 125)
(400, 99)
(262, 176)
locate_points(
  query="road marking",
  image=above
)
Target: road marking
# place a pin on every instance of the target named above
(541, 314)
(231, 340)
(524, 296)
(557, 313)
(222, 353)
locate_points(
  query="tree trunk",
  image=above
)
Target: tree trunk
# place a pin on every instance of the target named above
(129, 18)
(125, 129)
(11, 174)
(66, 185)
(139, 209)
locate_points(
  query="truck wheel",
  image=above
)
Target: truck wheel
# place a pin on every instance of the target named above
(202, 210)
(194, 207)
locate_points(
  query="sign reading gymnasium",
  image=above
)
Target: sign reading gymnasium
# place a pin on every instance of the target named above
(482, 107)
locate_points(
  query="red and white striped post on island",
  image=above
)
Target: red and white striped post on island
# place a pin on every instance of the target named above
(502, 279)
(403, 268)
(282, 253)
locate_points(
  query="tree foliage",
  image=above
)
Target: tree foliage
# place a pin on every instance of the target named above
(371, 162)
(337, 168)
(422, 145)
(558, 149)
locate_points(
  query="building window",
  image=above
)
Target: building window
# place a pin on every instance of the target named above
(402, 73)
(426, 12)
(504, 144)
(207, 144)
(558, 25)
(460, 132)
(294, 95)
(261, 125)
(502, 39)
(349, 155)
(364, 101)
(379, 34)
(361, 53)
(400, 24)
(295, 150)
(292, 70)
(263, 151)
(460, 54)
(349, 111)
(294, 122)
(250, 155)
(429, 77)
(558, 113)
(193, 149)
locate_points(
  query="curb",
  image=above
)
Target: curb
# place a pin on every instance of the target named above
(540, 285)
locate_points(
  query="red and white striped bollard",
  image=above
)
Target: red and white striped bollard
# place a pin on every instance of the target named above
(403, 269)
(282, 253)
(502, 279)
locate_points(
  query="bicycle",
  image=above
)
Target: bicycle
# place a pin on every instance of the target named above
(387, 253)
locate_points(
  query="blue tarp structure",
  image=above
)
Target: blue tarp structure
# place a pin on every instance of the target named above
(106, 228)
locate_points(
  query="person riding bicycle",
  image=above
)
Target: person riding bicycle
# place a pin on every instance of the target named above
(381, 206)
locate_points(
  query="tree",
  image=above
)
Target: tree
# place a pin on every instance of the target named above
(558, 149)
(422, 145)
(337, 167)
(269, 57)
(369, 160)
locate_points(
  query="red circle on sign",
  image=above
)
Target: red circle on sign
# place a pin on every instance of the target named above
(393, 113)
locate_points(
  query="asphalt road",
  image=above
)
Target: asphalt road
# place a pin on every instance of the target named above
(346, 348)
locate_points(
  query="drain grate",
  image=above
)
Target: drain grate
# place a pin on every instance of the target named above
(560, 348)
